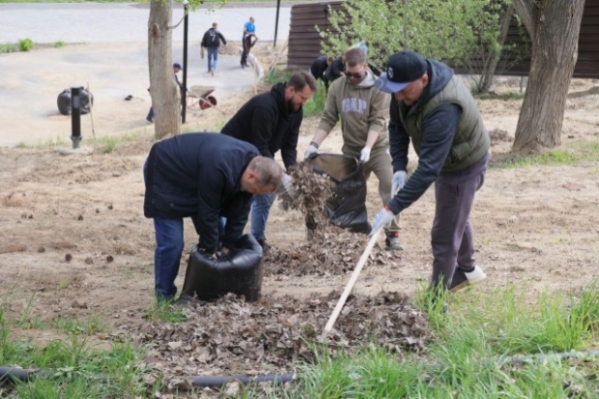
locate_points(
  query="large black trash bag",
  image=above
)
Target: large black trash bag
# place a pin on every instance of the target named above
(239, 272)
(64, 101)
(347, 206)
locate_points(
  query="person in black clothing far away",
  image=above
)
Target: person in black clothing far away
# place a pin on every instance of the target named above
(318, 68)
(202, 176)
(211, 41)
(335, 70)
(271, 121)
(176, 69)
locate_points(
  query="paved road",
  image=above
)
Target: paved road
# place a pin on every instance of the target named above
(114, 62)
(105, 23)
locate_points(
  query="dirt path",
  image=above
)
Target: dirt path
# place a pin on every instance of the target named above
(74, 241)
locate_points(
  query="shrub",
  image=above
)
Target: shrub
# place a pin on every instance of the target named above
(25, 44)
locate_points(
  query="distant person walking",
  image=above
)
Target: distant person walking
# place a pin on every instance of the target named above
(176, 69)
(248, 40)
(211, 42)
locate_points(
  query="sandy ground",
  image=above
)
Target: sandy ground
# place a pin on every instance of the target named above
(74, 241)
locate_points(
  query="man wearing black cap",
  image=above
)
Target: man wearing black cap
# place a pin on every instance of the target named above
(432, 107)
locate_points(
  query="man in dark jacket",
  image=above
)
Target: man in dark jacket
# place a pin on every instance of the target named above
(318, 68)
(432, 108)
(335, 69)
(202, 176)
(271, 122)
(211, 41)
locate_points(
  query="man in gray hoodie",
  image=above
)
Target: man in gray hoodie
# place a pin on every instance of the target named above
(361, 107)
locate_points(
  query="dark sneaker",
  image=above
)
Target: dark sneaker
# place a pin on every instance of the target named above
(392, 243)
(462, 279)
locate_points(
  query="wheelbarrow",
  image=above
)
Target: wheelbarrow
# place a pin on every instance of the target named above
(203, 94)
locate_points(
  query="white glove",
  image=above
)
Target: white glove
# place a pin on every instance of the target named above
(399, 179)
(365, 154)
(310, 151)
(382, 219)
(288, 184)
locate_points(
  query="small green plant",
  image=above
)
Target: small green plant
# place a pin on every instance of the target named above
(166, 311)
(91, 325)
(110, 145)
(513, 95)
(25, 44)
(315, 105)
(8, 48)
(277, 75)
(58, 44)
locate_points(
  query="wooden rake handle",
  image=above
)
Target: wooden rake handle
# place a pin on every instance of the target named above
(350, 285)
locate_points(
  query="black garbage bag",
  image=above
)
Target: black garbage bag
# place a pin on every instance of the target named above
(64, 101)
(347, 206)
(239, 272)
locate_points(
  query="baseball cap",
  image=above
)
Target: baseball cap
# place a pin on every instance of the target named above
(177, 65)
(402, 69)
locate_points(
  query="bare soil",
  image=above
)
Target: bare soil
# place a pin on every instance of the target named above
(74, 241)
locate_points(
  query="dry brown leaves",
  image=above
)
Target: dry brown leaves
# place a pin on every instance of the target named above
(230, 336)
(330, 250)
(336, 251)
(312, 191)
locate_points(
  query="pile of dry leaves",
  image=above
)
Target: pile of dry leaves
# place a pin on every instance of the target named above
(335, 251)
(330, 249)
(230, 336)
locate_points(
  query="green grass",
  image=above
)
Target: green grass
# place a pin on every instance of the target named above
(145, 1)
(87, 326)
(108, 144)
(167, 312)
(23, 45)
(75, 368)
(9, 48)
(315, 105)
(59, 43)
(576, 153)
(468, 357)
(277, 75)
(510, 95)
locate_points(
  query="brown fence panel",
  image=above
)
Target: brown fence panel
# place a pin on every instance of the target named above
(305, 41)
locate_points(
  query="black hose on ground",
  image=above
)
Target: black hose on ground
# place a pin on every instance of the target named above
(13, 374)
(10, 375)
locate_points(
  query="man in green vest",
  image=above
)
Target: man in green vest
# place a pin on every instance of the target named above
(432, 108)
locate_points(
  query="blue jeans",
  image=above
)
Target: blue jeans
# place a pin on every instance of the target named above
(212, 57)
(259, 214)
(167, 255)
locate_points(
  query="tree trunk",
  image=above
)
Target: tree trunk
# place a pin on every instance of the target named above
(163, 88)
(489, 72)
(554, 54)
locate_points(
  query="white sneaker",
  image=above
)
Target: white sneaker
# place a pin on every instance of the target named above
(463, 279)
